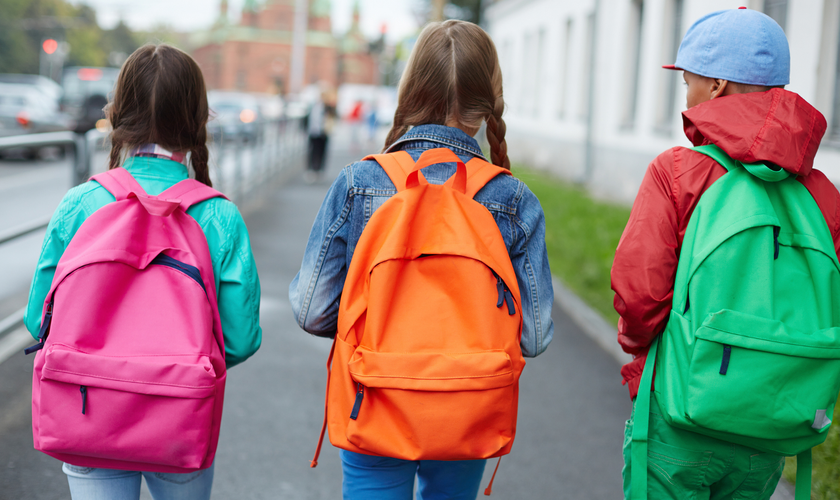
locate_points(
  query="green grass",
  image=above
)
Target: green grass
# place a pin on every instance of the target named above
(581, 236)
(825, 480)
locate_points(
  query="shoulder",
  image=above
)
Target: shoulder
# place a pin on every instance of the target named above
(827, 197)
(505, 193)
(365, 177)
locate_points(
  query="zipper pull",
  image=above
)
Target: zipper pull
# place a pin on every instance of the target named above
(83, 390)
(776, 231)
(360, 395)
(500, 287)
(724, 363)
(510, 304)
(45, 326)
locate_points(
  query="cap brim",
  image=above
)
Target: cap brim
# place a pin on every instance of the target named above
(671, 66)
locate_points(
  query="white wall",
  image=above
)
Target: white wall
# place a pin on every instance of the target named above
(546, 88)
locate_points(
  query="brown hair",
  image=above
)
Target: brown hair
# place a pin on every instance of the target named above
(160, 98)
(453, 74)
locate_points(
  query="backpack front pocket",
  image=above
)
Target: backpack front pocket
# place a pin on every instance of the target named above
(432, 406)
(146, 409)
(758, 378)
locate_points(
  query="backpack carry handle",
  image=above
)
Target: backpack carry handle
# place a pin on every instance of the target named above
(433, 157)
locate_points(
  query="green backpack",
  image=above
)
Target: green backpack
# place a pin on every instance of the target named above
(751, 351)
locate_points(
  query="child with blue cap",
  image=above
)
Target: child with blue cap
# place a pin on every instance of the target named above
(735, 64)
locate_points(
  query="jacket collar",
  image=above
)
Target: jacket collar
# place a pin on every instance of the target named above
(156, 168)
(453, 138)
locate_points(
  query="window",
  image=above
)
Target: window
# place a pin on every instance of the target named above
(634, 59)
(536, 104)
(565, 53)
(586, 67)
(777, 9)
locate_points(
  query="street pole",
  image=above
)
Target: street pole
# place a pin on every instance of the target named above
(296, 78)
(437, 10)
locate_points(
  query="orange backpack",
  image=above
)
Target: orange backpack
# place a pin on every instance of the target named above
(426, 360)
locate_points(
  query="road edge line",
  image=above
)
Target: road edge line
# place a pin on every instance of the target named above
(13, 343)
(589, 321)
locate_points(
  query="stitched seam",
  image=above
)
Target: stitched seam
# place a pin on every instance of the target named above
(810, 134)
(535, 301)
(661, 472)
(770, 114)
(435, 138)
(129, 380)
(435, 378)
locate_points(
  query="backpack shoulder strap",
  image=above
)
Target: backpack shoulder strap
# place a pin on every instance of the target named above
(397, 165)
(189, 192)
(119, 182)
(759, 170)
(479, 173)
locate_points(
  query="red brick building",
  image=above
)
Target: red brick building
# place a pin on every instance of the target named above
(255, 55)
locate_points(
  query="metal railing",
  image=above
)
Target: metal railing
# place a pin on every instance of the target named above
(243, 170)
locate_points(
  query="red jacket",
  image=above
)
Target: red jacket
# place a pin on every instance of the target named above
(776, 126)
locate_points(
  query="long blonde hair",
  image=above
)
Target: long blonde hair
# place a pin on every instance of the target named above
(453, 74)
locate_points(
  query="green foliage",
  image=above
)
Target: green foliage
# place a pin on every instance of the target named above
(25, 23)
(581, 234)
(825, 478)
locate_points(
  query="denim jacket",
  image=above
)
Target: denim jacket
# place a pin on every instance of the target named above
(362, 187)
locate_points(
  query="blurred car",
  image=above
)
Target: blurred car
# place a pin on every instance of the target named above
(233, 116)
(42, 83)
(26, 109)
(86, 92)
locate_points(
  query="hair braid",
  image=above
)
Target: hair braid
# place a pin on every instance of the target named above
(116, 152)
(496, 135)
(199, 158)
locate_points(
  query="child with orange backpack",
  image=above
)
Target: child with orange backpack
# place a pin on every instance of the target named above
(428, 266)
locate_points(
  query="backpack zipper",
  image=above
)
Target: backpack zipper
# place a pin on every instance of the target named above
(83, 390)
(183, 267)
(360, 395)
(724, 364)
(42, 334)
(504, 294)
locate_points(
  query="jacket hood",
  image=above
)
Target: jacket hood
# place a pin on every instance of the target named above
(776, 126)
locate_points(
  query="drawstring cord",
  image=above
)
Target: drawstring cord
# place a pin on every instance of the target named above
(489, 490)
(314, 462)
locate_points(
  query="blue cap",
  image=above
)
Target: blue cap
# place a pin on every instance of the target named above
(739, 45)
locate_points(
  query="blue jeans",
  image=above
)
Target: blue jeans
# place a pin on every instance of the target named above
(88, 483)
(367, 477)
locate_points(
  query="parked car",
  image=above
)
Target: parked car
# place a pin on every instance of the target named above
(234, 116)
(42, 83)
(26, 109)
(86, 92)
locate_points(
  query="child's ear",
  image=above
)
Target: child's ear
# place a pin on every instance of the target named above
(718, 87)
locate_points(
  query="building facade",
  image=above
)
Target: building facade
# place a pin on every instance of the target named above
(587, 98)
(255, 55)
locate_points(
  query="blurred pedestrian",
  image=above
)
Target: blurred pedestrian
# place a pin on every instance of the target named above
(731, 253)
(320, 118)
(159, 114)
(451, 85)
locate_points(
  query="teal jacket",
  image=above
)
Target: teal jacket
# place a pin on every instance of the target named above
(234, 269)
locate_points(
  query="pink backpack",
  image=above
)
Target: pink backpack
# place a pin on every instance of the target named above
(130, 370)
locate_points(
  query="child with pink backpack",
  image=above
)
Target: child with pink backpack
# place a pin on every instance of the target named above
(145, 293)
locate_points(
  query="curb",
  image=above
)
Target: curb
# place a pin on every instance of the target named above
(589, 321)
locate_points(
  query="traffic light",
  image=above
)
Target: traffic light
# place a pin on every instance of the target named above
(50, 46)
